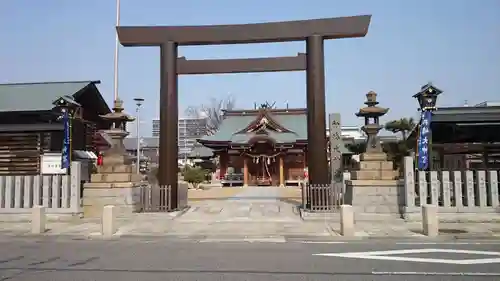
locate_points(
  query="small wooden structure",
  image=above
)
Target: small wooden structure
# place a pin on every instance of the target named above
(30, 124)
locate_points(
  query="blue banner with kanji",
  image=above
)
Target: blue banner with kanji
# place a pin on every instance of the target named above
(65, 155)
(423, 140)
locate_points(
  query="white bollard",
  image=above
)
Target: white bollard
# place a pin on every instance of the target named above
(108, 227)
(346, 220)
(430, 220)
(38, 220)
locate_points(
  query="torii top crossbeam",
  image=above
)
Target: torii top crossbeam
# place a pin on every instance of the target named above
(329, 28)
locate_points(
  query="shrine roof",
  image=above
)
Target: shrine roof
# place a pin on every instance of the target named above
(286, 126)
(278, 137)
(200, 151)
(292, 121)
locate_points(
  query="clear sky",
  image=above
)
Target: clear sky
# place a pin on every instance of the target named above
(454, 44)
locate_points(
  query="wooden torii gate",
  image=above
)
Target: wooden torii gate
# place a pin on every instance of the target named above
(314, 32)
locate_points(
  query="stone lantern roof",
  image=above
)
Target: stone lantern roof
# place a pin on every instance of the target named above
(372, 110)
(118, 114)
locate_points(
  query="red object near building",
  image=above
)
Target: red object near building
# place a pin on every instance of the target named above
(99, 159)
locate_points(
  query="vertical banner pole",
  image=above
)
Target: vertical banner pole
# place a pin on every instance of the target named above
(66, 148)
(423, 140)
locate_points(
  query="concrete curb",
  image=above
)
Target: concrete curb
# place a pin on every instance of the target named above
(317, 239)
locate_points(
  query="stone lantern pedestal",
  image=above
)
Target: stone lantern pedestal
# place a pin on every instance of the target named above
(373, 191)
(374, 166)
(115, 182)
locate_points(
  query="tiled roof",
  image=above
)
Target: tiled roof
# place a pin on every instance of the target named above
(37, 96)
(295, 123)
(200, 151)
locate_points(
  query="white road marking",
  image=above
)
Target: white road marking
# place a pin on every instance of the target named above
(245, 240)
(475, 274)
(450, 243)
(423, 251)
(322, 242)
(404, 243)
(385, 255)
(266, 240)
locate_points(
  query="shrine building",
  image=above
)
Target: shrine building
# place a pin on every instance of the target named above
(264, 146)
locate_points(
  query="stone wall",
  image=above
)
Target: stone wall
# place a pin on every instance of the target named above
(126, 200)
(373, 200)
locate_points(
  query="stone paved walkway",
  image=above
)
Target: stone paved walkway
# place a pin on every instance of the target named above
(255, 193)
(252, 204)
(255, 211)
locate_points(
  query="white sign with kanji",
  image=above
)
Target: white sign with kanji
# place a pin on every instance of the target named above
(50, 164)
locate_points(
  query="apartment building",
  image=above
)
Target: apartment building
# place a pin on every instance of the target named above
(190, 129)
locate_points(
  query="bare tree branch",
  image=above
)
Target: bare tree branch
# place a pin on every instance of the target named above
(212, 111)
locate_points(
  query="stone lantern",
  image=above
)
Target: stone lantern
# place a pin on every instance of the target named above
(373, 190)
(117, 133)
(372, 113)
(115, 182)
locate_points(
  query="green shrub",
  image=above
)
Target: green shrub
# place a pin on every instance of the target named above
(195, 175)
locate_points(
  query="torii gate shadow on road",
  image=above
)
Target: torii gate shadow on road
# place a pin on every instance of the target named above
(169, 38)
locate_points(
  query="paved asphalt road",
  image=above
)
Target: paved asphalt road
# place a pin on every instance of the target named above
(63, 259)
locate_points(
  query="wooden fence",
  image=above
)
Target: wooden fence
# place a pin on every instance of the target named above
(324, 197)
(158, 198)
(60, 194)
(452, 191)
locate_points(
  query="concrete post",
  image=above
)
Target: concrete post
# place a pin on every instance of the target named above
(430, 220)
(38, 220)
(346, 220)
(108, 227)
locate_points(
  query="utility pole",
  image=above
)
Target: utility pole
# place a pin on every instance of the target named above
(138, 103)
(185, 142)
(117, 45)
